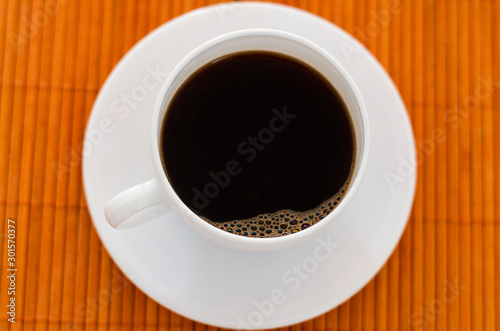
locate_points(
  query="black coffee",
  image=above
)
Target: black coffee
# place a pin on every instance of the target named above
(258, 144)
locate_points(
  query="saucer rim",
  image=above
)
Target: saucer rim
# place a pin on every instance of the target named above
(329, 304)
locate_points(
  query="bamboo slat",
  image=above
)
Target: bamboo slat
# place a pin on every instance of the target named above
(444, 57)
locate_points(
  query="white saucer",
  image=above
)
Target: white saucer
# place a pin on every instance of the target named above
(211, 284)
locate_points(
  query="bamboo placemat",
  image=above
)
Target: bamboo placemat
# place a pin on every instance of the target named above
(443, 56)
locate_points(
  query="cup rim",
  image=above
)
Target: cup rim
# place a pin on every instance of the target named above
(204, 227)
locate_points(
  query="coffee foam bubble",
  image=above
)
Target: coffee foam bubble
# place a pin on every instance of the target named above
(283, 222)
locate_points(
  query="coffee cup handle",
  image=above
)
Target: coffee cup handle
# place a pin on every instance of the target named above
(133, 201)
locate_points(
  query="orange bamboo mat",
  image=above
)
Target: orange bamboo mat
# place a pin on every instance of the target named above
(444, 56)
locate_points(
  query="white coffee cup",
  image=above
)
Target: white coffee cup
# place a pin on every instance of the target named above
(134, 201)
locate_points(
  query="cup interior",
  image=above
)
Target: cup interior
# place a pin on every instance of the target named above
(289, 45)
